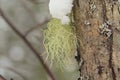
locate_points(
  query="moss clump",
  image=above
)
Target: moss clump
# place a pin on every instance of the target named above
(60, 42)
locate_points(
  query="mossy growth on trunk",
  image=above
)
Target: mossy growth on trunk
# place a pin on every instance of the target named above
(60, 42)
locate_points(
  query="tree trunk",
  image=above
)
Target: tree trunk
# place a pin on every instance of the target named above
(98, 30)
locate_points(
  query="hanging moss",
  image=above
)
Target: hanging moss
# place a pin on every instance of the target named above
(60, 42)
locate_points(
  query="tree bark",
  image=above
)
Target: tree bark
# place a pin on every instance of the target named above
(98, 30)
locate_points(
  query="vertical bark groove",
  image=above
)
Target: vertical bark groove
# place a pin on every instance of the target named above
(97, 52)
(109, 40)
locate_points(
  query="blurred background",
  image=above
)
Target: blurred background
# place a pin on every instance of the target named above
(16, 60)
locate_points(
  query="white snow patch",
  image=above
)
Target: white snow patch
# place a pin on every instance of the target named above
(65, 20)
(60, 8)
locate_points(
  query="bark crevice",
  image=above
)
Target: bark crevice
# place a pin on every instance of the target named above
(110, 39)
(97, 50)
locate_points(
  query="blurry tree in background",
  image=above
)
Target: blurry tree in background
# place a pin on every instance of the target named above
(17, 61)
(15, 58)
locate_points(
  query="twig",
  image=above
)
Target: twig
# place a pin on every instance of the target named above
(32, 14)
(36, 26)
(2, 78)
(36, 53)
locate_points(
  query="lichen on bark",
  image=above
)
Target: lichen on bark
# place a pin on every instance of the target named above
(98, 52)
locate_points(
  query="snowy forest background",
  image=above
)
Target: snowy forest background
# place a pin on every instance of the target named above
(16, 59)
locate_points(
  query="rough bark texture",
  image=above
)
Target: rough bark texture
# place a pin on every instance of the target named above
(98, 29)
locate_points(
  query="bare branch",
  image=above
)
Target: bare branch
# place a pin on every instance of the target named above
(37, 26)
(35, 52)
(2, 78)
(46, 19)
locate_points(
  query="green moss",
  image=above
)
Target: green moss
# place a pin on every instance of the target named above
(60, 42)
